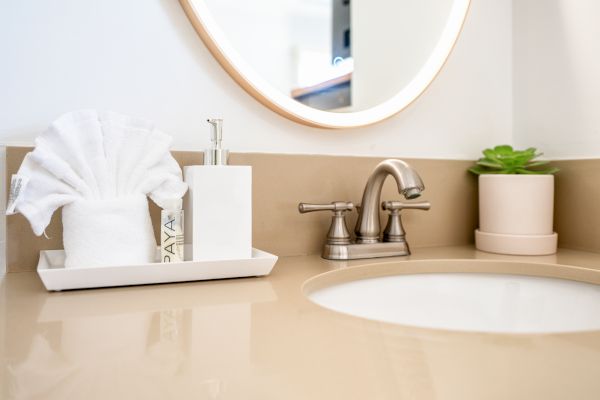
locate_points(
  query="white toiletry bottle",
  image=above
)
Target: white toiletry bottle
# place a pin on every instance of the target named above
(218, 204)
(171, 232)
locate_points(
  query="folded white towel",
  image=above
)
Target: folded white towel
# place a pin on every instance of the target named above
(100, 166)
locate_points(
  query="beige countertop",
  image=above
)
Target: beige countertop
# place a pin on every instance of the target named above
(261, 338)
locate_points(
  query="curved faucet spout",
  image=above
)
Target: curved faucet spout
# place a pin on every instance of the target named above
(409, 184)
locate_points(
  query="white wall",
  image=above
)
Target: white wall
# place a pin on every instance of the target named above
(556, 77)
(142, 57)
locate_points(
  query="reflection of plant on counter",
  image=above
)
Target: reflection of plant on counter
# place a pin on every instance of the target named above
(505, 160)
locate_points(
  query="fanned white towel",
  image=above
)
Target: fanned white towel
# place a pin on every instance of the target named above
(100, 166)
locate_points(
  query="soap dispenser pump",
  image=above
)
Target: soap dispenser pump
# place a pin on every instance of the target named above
(218, 205)
(216, 154)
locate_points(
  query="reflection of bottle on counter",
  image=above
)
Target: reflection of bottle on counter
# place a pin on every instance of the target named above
(171, 232)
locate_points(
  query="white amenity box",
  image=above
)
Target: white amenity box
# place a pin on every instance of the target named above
(218, 212)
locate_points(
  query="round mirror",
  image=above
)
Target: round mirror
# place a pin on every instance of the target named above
(330, 63)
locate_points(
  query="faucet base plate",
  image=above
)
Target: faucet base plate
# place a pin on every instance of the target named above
(355, 251)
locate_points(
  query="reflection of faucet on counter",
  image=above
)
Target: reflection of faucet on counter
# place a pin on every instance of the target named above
(369, 243)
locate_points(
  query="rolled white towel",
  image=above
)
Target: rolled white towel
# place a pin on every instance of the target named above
(108, 232)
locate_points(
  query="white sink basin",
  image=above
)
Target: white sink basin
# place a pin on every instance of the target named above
(479, 302)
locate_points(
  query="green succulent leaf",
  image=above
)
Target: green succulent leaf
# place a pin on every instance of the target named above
(549, 171)
(503, 150)
(503, 159)
(476, 170)
(526, 171)
(490, 155)
(537, 163)
(490, 164)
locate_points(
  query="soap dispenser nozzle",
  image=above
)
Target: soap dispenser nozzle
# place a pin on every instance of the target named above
(216, 155)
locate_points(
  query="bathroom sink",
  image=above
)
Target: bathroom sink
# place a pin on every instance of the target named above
(463, 295)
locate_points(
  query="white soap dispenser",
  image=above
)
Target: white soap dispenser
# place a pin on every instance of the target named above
(218, 206)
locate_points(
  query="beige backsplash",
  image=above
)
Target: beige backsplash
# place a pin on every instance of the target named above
(280, 182)
(577, 204)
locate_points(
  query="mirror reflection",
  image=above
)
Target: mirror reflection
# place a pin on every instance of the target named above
(334, 55)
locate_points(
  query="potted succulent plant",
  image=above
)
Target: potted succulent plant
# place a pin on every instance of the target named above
(516, 202)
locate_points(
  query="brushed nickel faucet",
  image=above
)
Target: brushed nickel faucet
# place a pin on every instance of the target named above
(369, 242)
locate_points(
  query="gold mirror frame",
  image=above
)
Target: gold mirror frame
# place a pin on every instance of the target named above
(216, 42)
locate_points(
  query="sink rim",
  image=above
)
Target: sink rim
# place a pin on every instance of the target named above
(450, 266)
(455, 265)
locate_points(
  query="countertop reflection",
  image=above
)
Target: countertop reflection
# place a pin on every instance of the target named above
(260, 338)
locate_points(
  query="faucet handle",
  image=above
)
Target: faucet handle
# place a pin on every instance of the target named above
(395, 205)
(334, 206)
(338, 231)
(394, 231)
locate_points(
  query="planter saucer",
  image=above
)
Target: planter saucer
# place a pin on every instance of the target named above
(522, 245)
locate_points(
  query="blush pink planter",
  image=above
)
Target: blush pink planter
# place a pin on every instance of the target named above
(516, 214)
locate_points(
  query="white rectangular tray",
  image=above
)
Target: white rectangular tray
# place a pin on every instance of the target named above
(56, 277)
